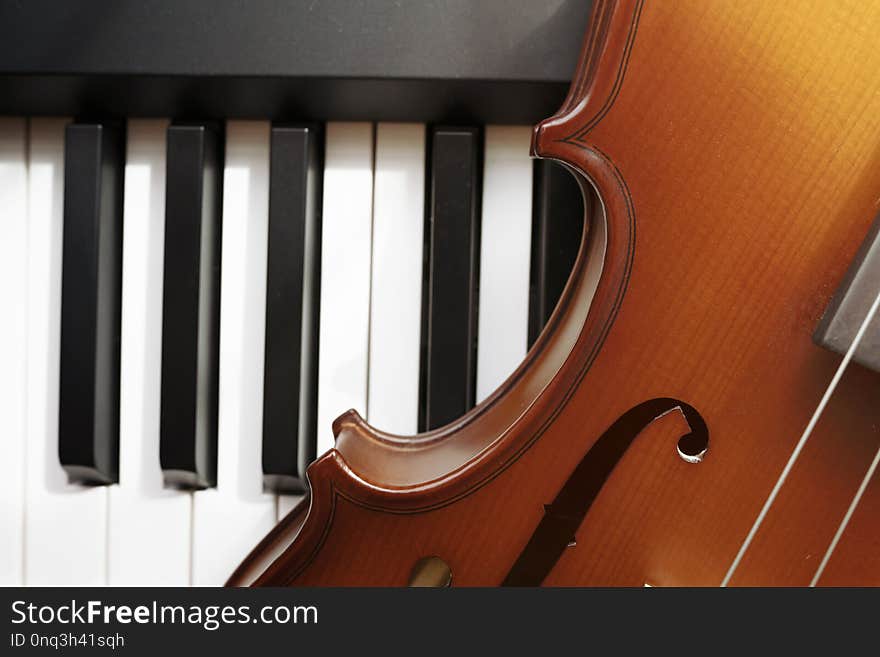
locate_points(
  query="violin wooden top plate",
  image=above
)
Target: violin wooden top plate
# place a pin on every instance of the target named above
(735, 147)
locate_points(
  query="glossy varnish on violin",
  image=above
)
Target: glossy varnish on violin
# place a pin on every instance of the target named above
(736, 150)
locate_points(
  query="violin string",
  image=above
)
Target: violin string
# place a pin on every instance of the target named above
(846, 518)
(803, 441)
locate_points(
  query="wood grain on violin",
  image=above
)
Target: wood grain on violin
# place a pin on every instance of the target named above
(735, 147)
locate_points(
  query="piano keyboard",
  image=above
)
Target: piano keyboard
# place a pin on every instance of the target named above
(187, 307)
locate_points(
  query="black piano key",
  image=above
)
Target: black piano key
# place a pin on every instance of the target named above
(449, 329)
(191, 306)
(88, 420)
(293, 274)
(557, 226)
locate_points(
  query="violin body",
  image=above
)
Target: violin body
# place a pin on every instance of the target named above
(729, 154)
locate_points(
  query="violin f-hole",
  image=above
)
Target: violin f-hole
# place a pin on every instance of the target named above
(565, 514)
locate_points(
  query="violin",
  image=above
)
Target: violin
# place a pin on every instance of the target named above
(675, 424)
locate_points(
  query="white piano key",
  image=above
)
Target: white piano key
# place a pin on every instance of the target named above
(396, 286)
(346, 252)
(505, 255)
(345, 275)
(13, 344)
(149, 526)
(65, 525)
(228, 520)
(286, 504)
